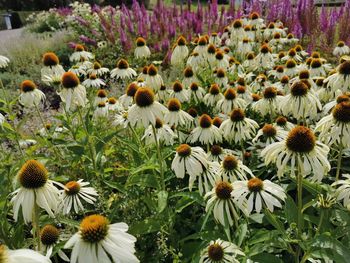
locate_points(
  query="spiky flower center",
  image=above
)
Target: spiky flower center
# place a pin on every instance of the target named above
(277, 36)
(341, 111)
(250, 56)
(193, 112)
(214, 89)
(342, 98)
(291, 63)
(237, 115)
(152, 70)
(301, 140)
(216, 150)
(285, 80)
(79, 48)
(230, 94)
(177, 86)
(101, 93)
(215, 252)
(202, 41)
(145, 70)
(254, 16)
(299, 89)
(270, 93)
(241, 89)
(50, 59)
(49, 235)
(290, 36)
(112, 100)
(162, 87)
(131, 89)
(315, 54)
(205, 121)
(72, 188)
(32, 175)
(237, 23)
(159, 123)
(281, 121)
(122, 64)
(319, 82)
(265, 49)
(181, 41)
(144, 97)
(28, 86)
(220, 73)
(211, 49)
(316, 63)
(281, 55)
(223, 190)
(344, 68)
(255, 185)
(269, 131)
(304, 74)
(292, 52)
(230, 163)
(174, 104)
(194, 86)
(188, 72)
(140, 42)
(94, 228)
(96, 65)
(280, 69)
(184, 150)
(217, 122)
(219, 55)
(298, 48)
(70, 80)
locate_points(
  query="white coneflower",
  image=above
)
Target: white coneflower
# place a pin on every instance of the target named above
(210, 55)
(78, 70)
(101, 111)
(259, 84)
(238, 128)
(202, 46)
(30, 95)
(141, 50)
(264, 60)
(80, 54)
(121, 119)
(163, 94)
(179, 92)
(291, 69)
(301, 103)
(217, 153)
(146, 109)
(127, 99)
(220, 251)
(243, 93)
(52, 71)
(249, 33)
(232, 169)
(221, 60)
(335, 128)
(36, 189)
(93, 82)
(196, 93)
(317, 68)
(222, 204)
(4, 61)
(26, 143)
(283, 85)
(292, 54)
(101, 96)
(189, 77)
(72, 94)
(237, 31)
(269, 104)
(299, 147)
(249, 62)
(49, 237)
(176, 116)
(269, 134)
(21, 256)
(341, 79)
(283, 123)
(214, 39)
(277, 72)
(2, 119)
(74, 193)
(153, 79)
(164, 134)
(207, 179)
(291, 39)
(195, 61)
(256, 20)
(114, 105)
(180, 52)
(97, 69)
(211, 99)
(257, 193)
(100, 241)
(190, 160)
(230, 101)
(123, 71)
(206, 133)
(221, 77)
(244, 47)
(341, 49)
(343, 190)
(277, 42)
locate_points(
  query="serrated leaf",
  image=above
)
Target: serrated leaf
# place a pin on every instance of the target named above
(291, 210)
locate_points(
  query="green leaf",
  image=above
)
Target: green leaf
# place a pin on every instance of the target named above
(241, 233)
(291, 210)
(116, 186)
(273, 220)
(195, 196)
(162, 200)
(265, 257)
(142, 179)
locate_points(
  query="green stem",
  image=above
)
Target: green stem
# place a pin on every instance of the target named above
(321, 221)
(160, 158)
(91, 145)
(242, 149)
(36, 225)
(339, 162)
(300, 206)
